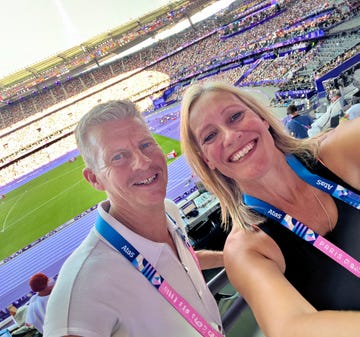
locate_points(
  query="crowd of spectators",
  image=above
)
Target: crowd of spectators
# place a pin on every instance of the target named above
(246, 21)
(52, 113)
(93, 52)
(50, 96)
(37, 130)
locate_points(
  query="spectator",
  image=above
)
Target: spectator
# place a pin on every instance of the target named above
(35, 315)
(20, 315)
(298, 125)
(328, 118)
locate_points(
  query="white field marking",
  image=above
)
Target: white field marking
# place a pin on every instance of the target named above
(41, 205)
(10, 210)
(57, 177)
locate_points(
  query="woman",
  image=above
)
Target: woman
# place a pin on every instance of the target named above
(289, 236)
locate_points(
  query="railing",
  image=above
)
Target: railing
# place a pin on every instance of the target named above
(238, 304)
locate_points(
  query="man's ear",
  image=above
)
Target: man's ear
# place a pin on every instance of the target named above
(92, 179)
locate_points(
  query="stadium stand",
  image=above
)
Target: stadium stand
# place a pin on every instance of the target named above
(238, 45)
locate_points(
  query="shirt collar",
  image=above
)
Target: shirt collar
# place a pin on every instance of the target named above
(148, 248)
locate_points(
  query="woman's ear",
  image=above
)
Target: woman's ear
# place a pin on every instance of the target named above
(91, 178)
(208, 163)
(266, 124)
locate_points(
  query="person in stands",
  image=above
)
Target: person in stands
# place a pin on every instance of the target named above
(294, 206)
(298, 125)
(331, 117)
(35, 314)
(136, 273)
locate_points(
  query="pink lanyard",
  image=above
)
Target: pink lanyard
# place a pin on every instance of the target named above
(151, 274)
(301, 230)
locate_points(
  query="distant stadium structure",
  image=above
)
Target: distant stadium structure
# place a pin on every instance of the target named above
(289, 51)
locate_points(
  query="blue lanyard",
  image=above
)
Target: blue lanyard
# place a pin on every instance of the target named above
(128, 251)
(300, 229)
(283, 218)
(151, 274)
(336, 190)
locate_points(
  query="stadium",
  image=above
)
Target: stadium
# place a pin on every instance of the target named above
(283, 52)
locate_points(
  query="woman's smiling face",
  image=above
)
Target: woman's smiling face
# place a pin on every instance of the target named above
(231, 136)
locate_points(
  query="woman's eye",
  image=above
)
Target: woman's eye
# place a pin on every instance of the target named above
(209, 137)
(235, 116)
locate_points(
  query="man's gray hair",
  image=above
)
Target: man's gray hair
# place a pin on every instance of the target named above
(99, 114)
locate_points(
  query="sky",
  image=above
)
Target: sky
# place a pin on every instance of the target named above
(33, 30)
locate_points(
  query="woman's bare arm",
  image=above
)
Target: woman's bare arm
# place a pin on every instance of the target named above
(340, 151)
(255, 270)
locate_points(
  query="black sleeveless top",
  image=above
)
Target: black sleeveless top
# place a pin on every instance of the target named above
(322, 281)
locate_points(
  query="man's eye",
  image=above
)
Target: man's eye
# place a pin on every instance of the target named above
(146, 146)
(118, 157)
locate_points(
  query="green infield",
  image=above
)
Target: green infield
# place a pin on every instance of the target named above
(43, 204)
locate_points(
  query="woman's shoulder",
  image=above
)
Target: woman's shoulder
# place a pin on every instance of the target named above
(343, 136)
(340, 152)
(244, 244)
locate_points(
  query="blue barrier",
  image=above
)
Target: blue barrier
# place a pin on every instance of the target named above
(335, 72)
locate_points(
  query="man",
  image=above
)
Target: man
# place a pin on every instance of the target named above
(35, 314)
(328, 118)
(100, 291)
(298, 125)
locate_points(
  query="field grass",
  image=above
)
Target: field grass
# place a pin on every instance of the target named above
(43, 204)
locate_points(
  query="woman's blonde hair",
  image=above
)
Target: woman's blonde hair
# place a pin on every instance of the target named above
(230, 197)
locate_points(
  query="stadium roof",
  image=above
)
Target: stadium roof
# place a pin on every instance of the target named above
(36, 71)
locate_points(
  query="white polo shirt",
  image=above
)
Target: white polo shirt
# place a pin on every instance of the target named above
(99, 293)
